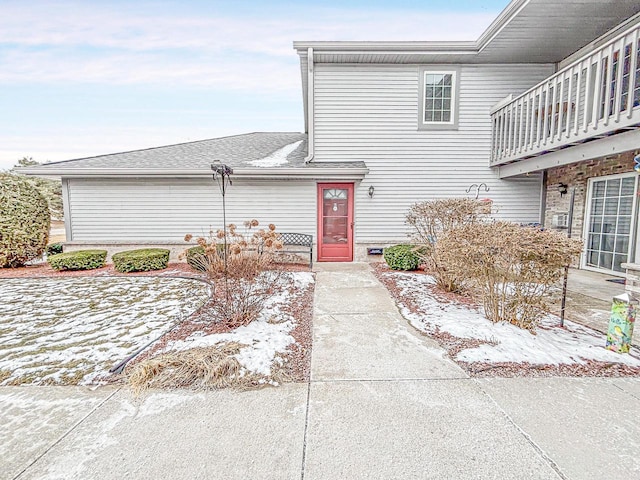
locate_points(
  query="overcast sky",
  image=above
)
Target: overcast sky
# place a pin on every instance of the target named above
(82, 78)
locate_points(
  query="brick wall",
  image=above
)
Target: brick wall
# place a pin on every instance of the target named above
(575, 175)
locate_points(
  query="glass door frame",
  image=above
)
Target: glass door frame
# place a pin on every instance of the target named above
(631, 252)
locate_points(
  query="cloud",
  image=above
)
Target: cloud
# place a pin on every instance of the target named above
(136, 43)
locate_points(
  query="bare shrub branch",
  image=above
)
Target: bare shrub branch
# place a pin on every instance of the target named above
(242, 267)
(430, 220)
(512, 266)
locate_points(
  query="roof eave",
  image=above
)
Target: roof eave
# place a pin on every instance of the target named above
(273, 173)
(502, 20)
(389, 48)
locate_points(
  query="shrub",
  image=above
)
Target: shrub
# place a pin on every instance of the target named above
(24, 221)
(246, 255)
(196, 258)
(242, 267)
(54, 249)
(512, 266)
(402, 257)
(430, 220)
(142, 260)
(80, 260)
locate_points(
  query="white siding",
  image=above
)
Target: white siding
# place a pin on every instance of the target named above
(370, 113)
(113, 210)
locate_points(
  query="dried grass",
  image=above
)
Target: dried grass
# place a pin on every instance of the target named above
(209, 368)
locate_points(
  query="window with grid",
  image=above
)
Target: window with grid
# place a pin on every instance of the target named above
(439, 95)
(610, 223)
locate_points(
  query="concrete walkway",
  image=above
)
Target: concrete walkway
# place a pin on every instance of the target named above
(383, 403)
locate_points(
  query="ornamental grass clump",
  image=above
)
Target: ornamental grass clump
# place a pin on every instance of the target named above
(511, 266)
(433, 219)
(24, 221)
(242, 268)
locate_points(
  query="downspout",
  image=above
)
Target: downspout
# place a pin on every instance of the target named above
(310, 113)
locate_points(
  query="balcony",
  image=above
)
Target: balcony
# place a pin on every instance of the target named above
(596, 97)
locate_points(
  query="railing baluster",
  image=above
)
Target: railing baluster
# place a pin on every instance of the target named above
(619, 78)
(545, 114)
(578, 97)
(632, 73)
(570, 103)
(588, 95)
(492, 154)
(527, 127)
(608, 94)
(540, 117)
(597, 91)
(504, 131)
(513, 128)
(520, 125)
(560, 106)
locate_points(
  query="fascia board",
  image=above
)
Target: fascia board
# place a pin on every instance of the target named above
(282, 173)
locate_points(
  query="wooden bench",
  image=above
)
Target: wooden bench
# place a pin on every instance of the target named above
(298, 240)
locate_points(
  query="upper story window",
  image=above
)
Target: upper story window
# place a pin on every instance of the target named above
(438, 98)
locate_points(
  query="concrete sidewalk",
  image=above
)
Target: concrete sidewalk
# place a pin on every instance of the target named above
(384, 402)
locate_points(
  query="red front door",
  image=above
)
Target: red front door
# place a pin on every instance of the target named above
(335, 222)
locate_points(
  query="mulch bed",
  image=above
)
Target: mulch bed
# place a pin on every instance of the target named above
(453, 345)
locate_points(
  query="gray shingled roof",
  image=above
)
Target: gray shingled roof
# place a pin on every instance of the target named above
(236, 151)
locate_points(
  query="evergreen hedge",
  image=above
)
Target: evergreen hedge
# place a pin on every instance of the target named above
(80, 260)
(24, 221)
(402, 257)
(142, 260)
(54, 249)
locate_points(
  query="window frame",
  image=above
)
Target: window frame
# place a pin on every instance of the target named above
(452, 124)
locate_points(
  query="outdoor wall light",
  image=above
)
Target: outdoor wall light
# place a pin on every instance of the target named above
(371, 191)
(562, 189)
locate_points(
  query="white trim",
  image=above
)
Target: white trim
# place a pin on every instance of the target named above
(614, 144)
(452, 100)
(505, 17)
(310, 104)
(587, 220)
(454, 71)
(273, 173)
(66, 210)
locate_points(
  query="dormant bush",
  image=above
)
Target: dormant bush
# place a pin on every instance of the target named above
(242, 267)
(24, 221)
(235, 254)
(432, 219)
(511, 266)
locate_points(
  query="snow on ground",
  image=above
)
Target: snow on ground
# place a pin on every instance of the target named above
(552, 345)
(265, 337)
(73, 330)
(277, 158)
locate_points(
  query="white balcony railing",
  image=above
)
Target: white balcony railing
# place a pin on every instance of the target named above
(596, 96)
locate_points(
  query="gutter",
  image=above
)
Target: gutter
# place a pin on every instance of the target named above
(413, 47)
(310, 109)
(267, 173)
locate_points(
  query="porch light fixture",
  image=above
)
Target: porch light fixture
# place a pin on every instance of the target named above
(372, 189)
(562, 189)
